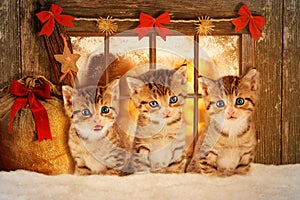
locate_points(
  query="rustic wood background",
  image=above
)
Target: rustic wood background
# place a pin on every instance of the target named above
(23, 53)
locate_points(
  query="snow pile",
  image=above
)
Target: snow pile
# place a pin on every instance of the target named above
(264, 182)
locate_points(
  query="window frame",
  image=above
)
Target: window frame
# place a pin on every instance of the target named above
(246, 49)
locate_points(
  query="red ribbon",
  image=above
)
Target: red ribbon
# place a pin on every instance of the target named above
(256, 22)
(24, 96)
(51, 16)
(147, 22)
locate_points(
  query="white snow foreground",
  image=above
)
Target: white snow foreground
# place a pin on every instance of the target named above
(263, 182)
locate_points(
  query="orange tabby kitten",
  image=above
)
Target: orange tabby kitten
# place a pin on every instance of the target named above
(228, 144)
(97, 144)
(159, 96)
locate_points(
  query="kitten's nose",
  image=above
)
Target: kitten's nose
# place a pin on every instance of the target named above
(167, 113)
(97, 120)
(230, 112)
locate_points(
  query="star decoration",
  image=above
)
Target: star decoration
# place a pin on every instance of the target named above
(205, 26)
(107, 26)
(67, 60)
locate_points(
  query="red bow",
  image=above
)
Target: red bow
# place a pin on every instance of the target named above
(52, 15)
(24, 96)
(147, 22)
(256, 22)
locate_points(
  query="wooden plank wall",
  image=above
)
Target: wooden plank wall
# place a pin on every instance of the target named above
(269, 64)
(22, 51)
(33, 52)
(291, 82)
(10, 44)
(277, 55)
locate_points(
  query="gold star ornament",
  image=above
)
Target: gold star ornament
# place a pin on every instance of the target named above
(67, 60)
(107, 26)
(205, 26)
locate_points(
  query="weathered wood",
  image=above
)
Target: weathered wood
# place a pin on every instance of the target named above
(131, 9)
(10, 60)
(178, 9)
(246, 53)
(269, 63)
(89, 28)
(33, 52)
(291, 83)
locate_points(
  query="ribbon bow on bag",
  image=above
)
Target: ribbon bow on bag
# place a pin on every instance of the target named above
(24, 96)
(255, 25)
(147, 22)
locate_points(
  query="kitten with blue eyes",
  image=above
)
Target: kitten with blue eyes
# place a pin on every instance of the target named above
(96, 142)
(227, 146)
(159, 144)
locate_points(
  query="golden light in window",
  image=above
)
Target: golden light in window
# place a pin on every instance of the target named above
(217, 56)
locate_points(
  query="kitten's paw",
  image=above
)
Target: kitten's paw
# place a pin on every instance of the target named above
(142, 172)
(223, 172)
(206, 168)
(242, 169)
(82, 171)
(193, 167)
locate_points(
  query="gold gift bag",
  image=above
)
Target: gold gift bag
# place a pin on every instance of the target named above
(20, 149)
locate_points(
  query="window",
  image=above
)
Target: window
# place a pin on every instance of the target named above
(222, 53)
(210, 55)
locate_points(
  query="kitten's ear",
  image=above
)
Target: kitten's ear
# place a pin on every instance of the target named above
(67, 92)
(134, 84)
(181, 73)
(206, 84)
(251, 79)
(113, 87)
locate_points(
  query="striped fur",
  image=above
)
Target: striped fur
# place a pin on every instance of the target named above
(96, 143)
(160, 136)
(228, 144)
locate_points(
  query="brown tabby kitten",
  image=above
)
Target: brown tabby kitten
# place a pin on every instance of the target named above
(228, 144)
(159, 143)
(96, 143)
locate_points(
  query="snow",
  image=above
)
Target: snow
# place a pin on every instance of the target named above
(263, 182)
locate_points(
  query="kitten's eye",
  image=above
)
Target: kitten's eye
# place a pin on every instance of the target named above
(85, 112)
(220, 103)
(173, 99)
(239, 101)
(153, 104)
(105, 110)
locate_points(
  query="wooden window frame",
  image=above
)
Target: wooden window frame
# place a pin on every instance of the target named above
(87, 28)
(246, 51)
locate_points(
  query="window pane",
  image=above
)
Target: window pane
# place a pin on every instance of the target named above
(120, 45)
(125, 54)
(202, 116)
(88, 63)
(224, 52)
(85, 46)
(175, 51)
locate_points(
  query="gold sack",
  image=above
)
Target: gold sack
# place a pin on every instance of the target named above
(20, 149)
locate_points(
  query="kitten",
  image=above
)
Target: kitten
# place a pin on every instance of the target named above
(96, 143)
(159, 144)
(228, 144)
